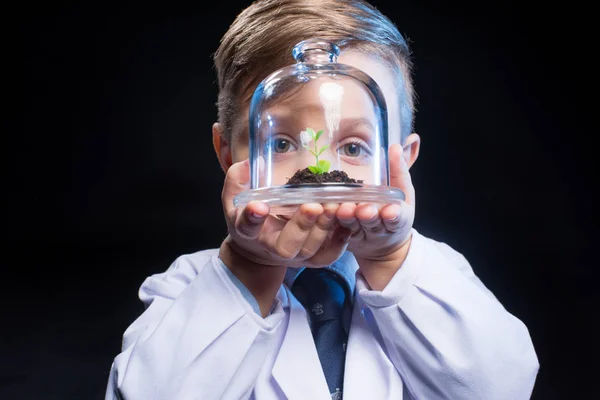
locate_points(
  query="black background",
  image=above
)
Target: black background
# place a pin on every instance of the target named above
(112, 174)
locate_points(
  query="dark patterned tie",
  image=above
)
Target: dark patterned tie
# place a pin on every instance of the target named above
(326, 298)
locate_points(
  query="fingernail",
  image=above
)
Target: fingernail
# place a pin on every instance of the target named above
(374, 211)
(347, 221)
(397, 210)
(312, 217)
(256, 216)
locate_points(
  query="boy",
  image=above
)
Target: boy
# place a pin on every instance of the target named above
(411, 319)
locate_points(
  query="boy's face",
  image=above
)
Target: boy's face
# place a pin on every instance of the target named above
(349, 123)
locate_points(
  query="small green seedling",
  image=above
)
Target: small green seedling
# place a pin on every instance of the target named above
(321, 166)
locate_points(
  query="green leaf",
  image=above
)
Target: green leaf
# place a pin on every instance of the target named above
(324, 165)
(322, 150)
(318, 135)
(312, 152)
(314, 169)
(312, 133)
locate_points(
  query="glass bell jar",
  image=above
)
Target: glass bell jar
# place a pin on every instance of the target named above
(318, 134)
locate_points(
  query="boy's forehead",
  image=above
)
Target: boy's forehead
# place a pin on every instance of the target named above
(377, 69)
(387, 80)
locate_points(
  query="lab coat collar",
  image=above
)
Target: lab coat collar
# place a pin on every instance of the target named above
(297, 369)
(366, 356)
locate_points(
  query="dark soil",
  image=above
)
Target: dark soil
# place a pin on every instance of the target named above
(306, 176)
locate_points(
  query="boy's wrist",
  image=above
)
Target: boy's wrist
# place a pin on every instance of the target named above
(378, 272)
(263, 281)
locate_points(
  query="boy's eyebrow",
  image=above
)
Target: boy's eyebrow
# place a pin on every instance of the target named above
(353, 123)
(347, 123)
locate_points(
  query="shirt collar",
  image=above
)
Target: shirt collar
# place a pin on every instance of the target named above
(346, 266)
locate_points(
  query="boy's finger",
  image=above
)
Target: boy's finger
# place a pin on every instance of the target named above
(346, 216)
(320, 231)
(399, 173)
(250, 221)
(392, 217)
(295, 232)
(237, 180)
(332, 249)
(368, 217)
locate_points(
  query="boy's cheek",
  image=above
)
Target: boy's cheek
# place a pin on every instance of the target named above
(239, 151)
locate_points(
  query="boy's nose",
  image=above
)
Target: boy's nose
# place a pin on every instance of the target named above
(329, 154)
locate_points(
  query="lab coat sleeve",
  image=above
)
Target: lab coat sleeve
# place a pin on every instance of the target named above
(197, 338)
(446, 333)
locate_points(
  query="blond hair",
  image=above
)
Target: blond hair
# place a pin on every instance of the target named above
(260, 40)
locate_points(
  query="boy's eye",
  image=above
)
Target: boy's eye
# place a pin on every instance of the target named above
(282, 145)
(352, 150)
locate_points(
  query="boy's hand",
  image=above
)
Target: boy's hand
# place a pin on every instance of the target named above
(310, 238)
(381, 237)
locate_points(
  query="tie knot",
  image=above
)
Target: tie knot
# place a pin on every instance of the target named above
(322, 292)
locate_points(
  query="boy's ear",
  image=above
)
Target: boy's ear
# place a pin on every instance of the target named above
(411, 147)
(222, 147)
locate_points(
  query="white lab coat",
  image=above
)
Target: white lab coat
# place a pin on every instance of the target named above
(435, 332)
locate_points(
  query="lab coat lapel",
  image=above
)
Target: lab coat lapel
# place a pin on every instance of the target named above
(297, 368)
(369, 374)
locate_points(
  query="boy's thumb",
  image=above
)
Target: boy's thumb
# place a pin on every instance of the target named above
(237, 180)
(399, 174)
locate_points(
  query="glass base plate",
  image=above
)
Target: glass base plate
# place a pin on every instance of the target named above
(286, 199)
